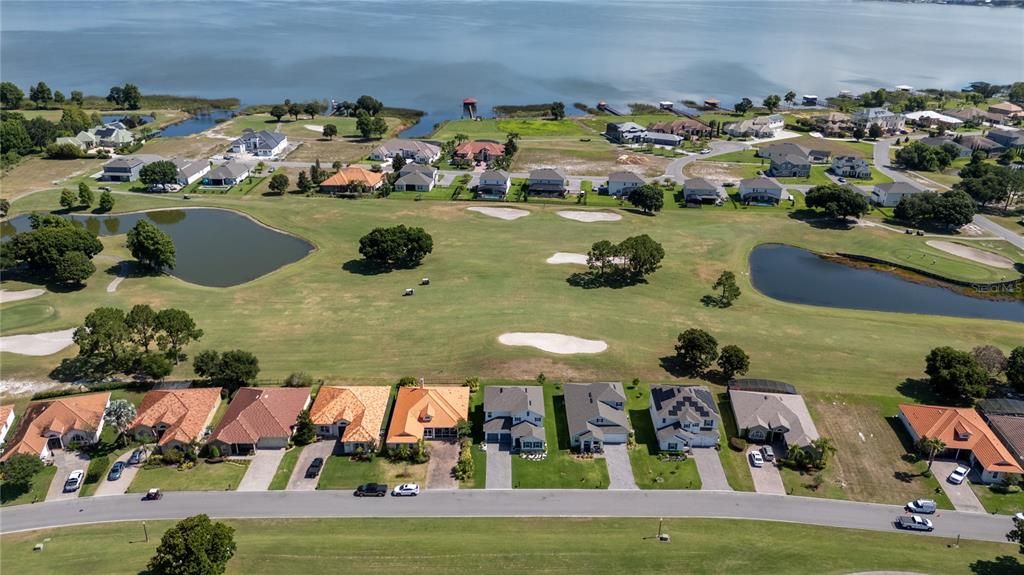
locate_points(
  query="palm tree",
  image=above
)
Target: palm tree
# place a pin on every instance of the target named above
(823, 448)
(931, 446)
(461, 139)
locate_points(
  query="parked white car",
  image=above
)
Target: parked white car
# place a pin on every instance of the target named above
(958, 475)
(406, 490)
(74, 481)
(755, 459)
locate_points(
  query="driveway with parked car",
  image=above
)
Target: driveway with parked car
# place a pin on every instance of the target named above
(299, 480)
(120, 485)
(262, 468)
(962, 496)
(66, 462)
(767, 478)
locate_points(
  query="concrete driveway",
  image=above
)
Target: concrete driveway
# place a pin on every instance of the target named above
(620, 471)
(767, 478)
(262, 468)
(499, 467)
(709, 466)
(66, 462)
(323, 448)
(118, 487)
(962, 496)
(443, 457)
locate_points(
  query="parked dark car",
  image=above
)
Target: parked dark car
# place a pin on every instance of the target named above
(115, 471)
(314, 468)
(371, 490)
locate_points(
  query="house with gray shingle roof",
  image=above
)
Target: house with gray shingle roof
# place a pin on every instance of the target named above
(263, 143)
(762, 190)
(684, 416)
(548, 182)
(770, 417)
(190, 170)
(514, 417)
(851, 167)
(889, 195)
(416, 178)
(596, 415)
(229, 174)
(493, 185)
(124, 169)
(620, 183)
(699, 191)
(415, 150)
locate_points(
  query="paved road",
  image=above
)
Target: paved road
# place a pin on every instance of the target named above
(994, 228)
(491, 503)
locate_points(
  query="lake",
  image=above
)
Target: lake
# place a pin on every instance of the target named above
(431, 55)
(199, 122)
(799, 276)
(216, 248)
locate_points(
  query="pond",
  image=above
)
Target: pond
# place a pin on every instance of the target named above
(111, 118)
(216, 248)
(200, 122)
(799, 276)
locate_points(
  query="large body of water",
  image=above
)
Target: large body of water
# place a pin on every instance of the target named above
(217, 248)
(798, 276)
(432, 54)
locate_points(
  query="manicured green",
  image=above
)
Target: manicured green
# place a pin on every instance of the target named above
(203, 477)
(561, 469)
(285, 469)
(40, 485)
(1002, 503)
(25, 315)
(540, 545)
(341, 472)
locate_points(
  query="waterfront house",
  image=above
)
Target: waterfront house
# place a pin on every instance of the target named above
(595, 415)
(889, 195)
(833, 124)
(416, 178)
(480, 151)
(263, 143)
(761, 190)
(851, 167)
(429, 413)
(684, 416)
(190, 171)
(493, 185)
(759, 127)
(550, 182)
(174, 418)
(514, 417)
(932, 119)
(125, 169)
(112, 135)
(48, 425)
(686, 127)
(344, 181)
(415, 150)
(888, 121)
(620, 183)
(226, 175)
(353, 415)
(624, 132)
(259, 418)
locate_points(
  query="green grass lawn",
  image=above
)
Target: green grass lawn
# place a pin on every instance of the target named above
(805, 484)
(341, 472)
(561, 470)
(541, 545)
(203, 477)
(1001, 503)
(479, 479)
(737, 470)
(818, 177)
(877, 177)
(741, 157)
(37, 491)
(284, 469)
(25, 315)
(649, 470)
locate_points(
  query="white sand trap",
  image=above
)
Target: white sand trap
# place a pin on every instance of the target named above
(571, 258)
(501, 213)
(973, 254)
(589, 216)
(9, 296)
(315, 128)
(554, 342)
(47, 343)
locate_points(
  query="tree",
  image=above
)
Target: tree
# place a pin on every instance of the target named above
(142, 325)
(279, 183)
(730, 291)
(85, 195)
(368, 104)
(930, 447)
(304, 184)
(330, 130)
(58, 98)
(696, 350)
(858, 133)
(733, 361)
(647, 197)
(231, 369)
(873, 99)
(10, 95)
(305, 432)
(396, 247)
(278, 112)
(743, 106)
(379, 126)
(875, 131)
(74, 268)
(64, 151)
(956, 373)
(771, 103)
(603, 257)
(299, 379)
(1015, 368)
(159, 173)
(641, 255)
(5, 207)
(102, 336)
(294, 110)
(41, 131)
(397, 163)
(151, 247)
(1016, 535)
(73, 120)
(557, 110)
(77, 98)
(821, 449)
(195, 546)
(19, 470)
(919, 156)
(178, 329)
(838, 202)
(119, 415)
(990, 358)
(40, 94)
(311, 109)
(43, 248)
(67, 199)
(790, 97)
(953, 208)
(14, 137)
(106, 201)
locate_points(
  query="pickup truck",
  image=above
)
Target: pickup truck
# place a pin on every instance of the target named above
(371, 490)
(914, 523)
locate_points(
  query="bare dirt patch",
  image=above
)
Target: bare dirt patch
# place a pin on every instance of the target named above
(973, 254)
(553, 342)
(46, 343)
(9, 296)
(35, 174)
(501, 213)
(314, 127)
(588, 217)
(717, 173)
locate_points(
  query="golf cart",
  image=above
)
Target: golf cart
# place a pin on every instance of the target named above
(153, 495)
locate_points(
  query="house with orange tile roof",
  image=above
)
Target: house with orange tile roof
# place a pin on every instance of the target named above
(342, 181)
(6, 420)
(56, 423)
(173, 418)
(427, 413)
(480, 150)
(352, 414)
(966, 436)
(259, 418)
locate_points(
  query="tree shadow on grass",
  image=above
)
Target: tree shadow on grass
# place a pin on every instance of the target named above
(590, 280)
(639, 212)
(11, 491)
(820, 221)
(561, 423)
(643, 429)
(922, 391)
(672, 366)
(130, 269)
(1002, 565)
(364, 268)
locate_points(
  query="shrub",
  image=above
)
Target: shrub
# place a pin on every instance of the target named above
(737, 444)
(299, 379)
(214, 452)
(407, 382)
(464, 467)
(473, 383)
(173, 456)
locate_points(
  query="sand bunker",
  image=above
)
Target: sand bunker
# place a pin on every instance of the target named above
(501, 213)
(47, 343)
(9, 296)
(590, 216)
(973, 254)
(314, 127)
(554, 342)
(571, 258)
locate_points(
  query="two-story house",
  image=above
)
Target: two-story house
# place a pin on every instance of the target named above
(596, 415)
(888, 121)
(124, 169)
(684, 416)
(851, 167)
(493, 185)
(550, 182)
(620, 183)
(762, 190)
(514, 417)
